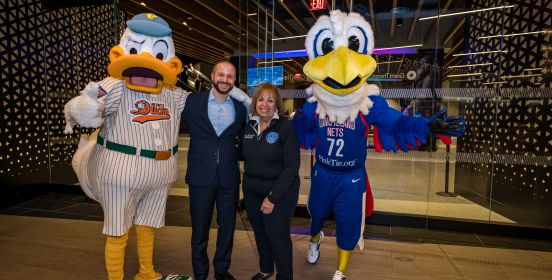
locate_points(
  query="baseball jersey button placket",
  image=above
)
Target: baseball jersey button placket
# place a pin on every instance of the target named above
(158, 142)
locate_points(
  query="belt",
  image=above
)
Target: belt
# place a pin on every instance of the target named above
(129, 150)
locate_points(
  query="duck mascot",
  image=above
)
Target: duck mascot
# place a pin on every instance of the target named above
(130, 163)
(340, 109)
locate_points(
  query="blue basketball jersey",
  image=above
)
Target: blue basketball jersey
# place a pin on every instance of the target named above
(341, 146)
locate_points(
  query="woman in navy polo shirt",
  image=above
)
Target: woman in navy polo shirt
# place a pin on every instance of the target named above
(270, 181)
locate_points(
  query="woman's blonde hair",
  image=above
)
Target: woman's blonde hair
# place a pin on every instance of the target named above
(266, 87)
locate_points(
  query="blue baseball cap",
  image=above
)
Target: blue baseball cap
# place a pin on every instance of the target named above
(150, 25)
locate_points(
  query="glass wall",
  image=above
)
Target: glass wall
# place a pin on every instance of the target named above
(489, 61)
(486, 60)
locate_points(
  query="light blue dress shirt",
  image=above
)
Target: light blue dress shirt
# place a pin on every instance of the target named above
(221, 114)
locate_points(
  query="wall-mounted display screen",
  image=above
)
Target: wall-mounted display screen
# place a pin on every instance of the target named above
(273, 75)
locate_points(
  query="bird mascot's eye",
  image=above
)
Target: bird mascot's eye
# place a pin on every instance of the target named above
(327, 45)
(133, 47)
(358, 41)
(323, 42)
(354, 43)
(160, 49)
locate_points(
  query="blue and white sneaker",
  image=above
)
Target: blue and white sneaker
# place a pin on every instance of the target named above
(313, 253)
(338, 275)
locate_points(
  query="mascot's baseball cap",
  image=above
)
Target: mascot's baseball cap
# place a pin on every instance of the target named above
(150, 25)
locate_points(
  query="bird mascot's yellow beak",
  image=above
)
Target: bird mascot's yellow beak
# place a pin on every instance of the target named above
(340, 71)
(143, 72)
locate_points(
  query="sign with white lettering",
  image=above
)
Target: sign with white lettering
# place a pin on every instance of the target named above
(318, 5)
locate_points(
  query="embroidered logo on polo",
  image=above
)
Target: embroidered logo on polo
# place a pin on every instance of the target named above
(272, 137)
(248, 136)
(146, 112)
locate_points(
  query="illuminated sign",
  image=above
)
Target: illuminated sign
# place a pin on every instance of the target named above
(318, 5)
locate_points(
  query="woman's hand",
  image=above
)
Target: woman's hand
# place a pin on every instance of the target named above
(267, 206)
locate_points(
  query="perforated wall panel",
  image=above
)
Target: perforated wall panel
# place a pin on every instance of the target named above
(47, 56)
(517, 127)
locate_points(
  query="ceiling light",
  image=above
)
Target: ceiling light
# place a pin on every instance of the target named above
(388, 62)
(467, 80)
(290, 37)
(185, 23)
(463, 75)
(400, 47)
(470, 65)
(251, 14)
(274, 61)
(519, 76)
(493, 83)
(474, 53)
(532, 69)
(143, 3)
(510, 35)
(468, 12)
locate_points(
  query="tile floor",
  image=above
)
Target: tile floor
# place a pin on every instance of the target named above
(53, 248)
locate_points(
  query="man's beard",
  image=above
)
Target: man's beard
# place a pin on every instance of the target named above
(216, 86)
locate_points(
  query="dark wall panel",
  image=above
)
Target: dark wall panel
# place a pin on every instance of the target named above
(513, 127)
(47, 56)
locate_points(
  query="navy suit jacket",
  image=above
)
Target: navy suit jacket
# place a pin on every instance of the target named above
(206, 148)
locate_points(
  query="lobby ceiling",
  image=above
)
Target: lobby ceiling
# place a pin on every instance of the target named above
(211, 30)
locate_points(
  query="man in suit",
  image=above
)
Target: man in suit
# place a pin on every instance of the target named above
(215, 120)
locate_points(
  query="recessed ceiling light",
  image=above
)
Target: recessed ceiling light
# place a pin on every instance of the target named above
(389, 62)
(399, 47)
(519, 76)
(274, 61)
(470, 65)
(475, 53)
(510, 35)
(532, 69)
(467, 12)
(493, 83)
(290, 37)
(462, 75)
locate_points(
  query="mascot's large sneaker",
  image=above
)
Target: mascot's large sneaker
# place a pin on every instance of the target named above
(314, 250)
(338, 275)
(175, 277)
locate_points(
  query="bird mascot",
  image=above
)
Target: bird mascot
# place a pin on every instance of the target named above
(130, 163)
(340, 108)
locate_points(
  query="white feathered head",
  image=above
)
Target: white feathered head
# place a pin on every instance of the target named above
(339, 48)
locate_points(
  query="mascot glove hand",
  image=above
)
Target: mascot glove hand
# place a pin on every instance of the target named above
(85, 110)
(447, 125)
(240, 95)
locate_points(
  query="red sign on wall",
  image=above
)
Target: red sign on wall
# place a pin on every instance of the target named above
(318, 4)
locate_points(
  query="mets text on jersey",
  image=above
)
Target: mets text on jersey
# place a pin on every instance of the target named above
(335, 129)
(146, 112)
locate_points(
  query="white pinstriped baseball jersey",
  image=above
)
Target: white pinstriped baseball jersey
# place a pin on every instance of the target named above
(133, 189)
